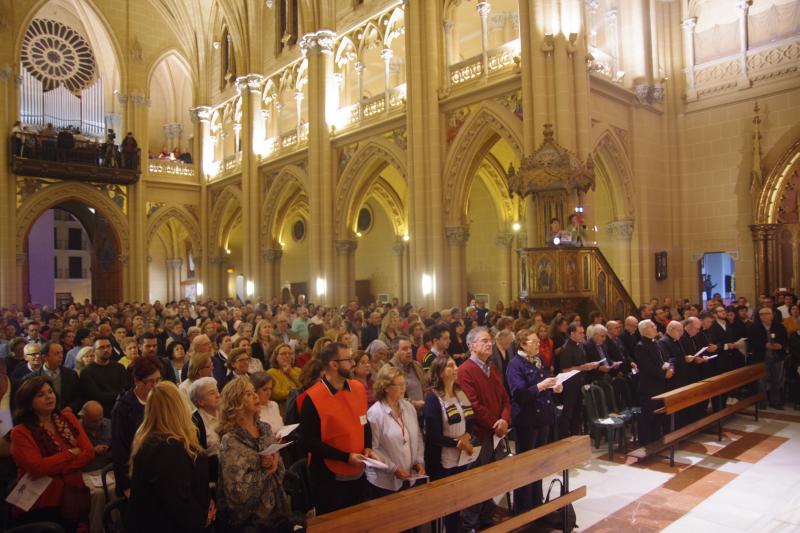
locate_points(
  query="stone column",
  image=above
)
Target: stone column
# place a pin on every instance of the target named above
(345, 270)
(457, 237)
(531, 222)
(534, 75)
(621, 232)
(386, 55)
(360, 68)
(744, 78)
(688, 26)
(249, 87)
(135, 270)
(449, 42)
(9, 286)
(425, 152)
(399, 250)
(174, 279)
(484, 8)
(318, 49)
(270, 280)
(20, 275)
(504, 241)
(213, 286)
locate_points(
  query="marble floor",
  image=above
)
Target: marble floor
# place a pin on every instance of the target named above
(748, 481)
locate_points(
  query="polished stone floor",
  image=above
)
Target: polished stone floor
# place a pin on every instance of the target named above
(748, 481)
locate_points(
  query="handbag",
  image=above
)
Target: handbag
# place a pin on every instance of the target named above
(75, 504)
(555, 520)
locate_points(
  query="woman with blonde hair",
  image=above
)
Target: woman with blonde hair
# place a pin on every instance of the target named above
(169, 471)
(390, 327)
(250, 488)
(131, 350)
(200, 366)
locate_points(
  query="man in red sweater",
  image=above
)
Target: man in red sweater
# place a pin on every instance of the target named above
(482, 382)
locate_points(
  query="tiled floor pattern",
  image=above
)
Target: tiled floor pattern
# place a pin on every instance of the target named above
(748, 481)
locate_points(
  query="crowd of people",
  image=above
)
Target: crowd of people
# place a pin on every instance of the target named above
(195, 404)
(70, 145)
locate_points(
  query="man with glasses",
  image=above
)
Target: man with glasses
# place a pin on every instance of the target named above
(103, 380)
(767, 341)
(65, 381)
(127, 416)
(482, 383)
(33, 362)
(416, 380)
(335, 432)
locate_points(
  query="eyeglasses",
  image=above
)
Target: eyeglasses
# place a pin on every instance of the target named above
(397, 385)
(341, 360)
(151, 382)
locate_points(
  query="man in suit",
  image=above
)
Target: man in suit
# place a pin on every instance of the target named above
(767, 341)
(502, 354)
(654, 373)
(671, 349)
(220, 359)
(65, 381)
(630, 336)
(373, 329)
(595, 348)
(573, 357)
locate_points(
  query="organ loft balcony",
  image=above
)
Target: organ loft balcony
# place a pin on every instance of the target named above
(69, 155)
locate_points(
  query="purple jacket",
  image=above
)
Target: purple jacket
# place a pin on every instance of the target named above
(529, 407)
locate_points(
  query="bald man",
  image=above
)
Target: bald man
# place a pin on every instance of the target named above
(98, 429)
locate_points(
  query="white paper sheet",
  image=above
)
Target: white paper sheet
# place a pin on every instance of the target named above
(374, 463)
(6, 424)
(274, 448)
(27, 491)
(564, 376)
(416, 477)
(286, 430)
(495, 441)
(465, 458)
(700, 351)
(710, 357)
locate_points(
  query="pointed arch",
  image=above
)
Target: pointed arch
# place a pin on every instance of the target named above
(286, 189)
(230, 195)
(769, 198)
(180, 214)
(48, 197)
(180, 59)
(482, 129)
(360, 173)
(493, 178)
(385, 195)
(610, 156)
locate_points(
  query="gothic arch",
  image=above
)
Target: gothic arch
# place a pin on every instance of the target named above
(493, 178)
(490, 122)
(610, 155)
(179, 213)
(385, 195)
(285, 190)
(229, 194)
(181, 60)
(770, 196)
(360, 173)
(48, 197)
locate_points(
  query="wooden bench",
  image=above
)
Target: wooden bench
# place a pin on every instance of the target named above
(702, 391)
(426, 503)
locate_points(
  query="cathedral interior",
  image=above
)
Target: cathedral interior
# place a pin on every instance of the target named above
(372, 149)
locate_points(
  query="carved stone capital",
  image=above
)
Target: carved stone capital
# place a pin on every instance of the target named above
(216, 260)
(398, 247)
(346, 247)
(271, 254)
(744, 5)
(249, 82)
(174, 264)
(139, 100)
(689, 25)
(201, 113)
(6, 73)
(620, 230)
(457, 235)
(387, 54)
(504, 240)
(320, 42)
(483, 8)
(123, 259)
(764, 232)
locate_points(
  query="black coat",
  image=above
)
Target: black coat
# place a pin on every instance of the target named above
(630, 340)
(672, 352)
(757, 339)
(71, 392)
(169, 491)
(213, 460)
(126, 418)
(502, 364)
(652, 379)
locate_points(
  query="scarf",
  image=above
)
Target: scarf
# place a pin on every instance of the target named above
(47, 441)
(536, 360)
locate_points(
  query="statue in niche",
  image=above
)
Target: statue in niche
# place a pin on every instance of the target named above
(571, 275)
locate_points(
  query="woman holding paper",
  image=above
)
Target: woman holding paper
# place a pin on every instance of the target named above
(448, 426)
(250, 489)
(48, 443)
(532, 408)
(270, 413)
(396, 436)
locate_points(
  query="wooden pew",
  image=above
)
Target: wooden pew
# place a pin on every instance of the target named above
(426, 503)
(702, 391)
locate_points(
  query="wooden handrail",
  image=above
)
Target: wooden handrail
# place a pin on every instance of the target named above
(705, 389)
(420, 505)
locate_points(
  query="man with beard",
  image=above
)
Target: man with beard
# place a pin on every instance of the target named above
(335, 432)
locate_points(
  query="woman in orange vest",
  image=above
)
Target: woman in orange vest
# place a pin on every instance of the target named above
(334, 429)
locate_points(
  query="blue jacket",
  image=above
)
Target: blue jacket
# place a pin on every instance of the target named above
(529, 407)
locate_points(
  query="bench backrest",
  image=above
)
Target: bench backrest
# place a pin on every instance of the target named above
(678, 399)
(423, 504)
